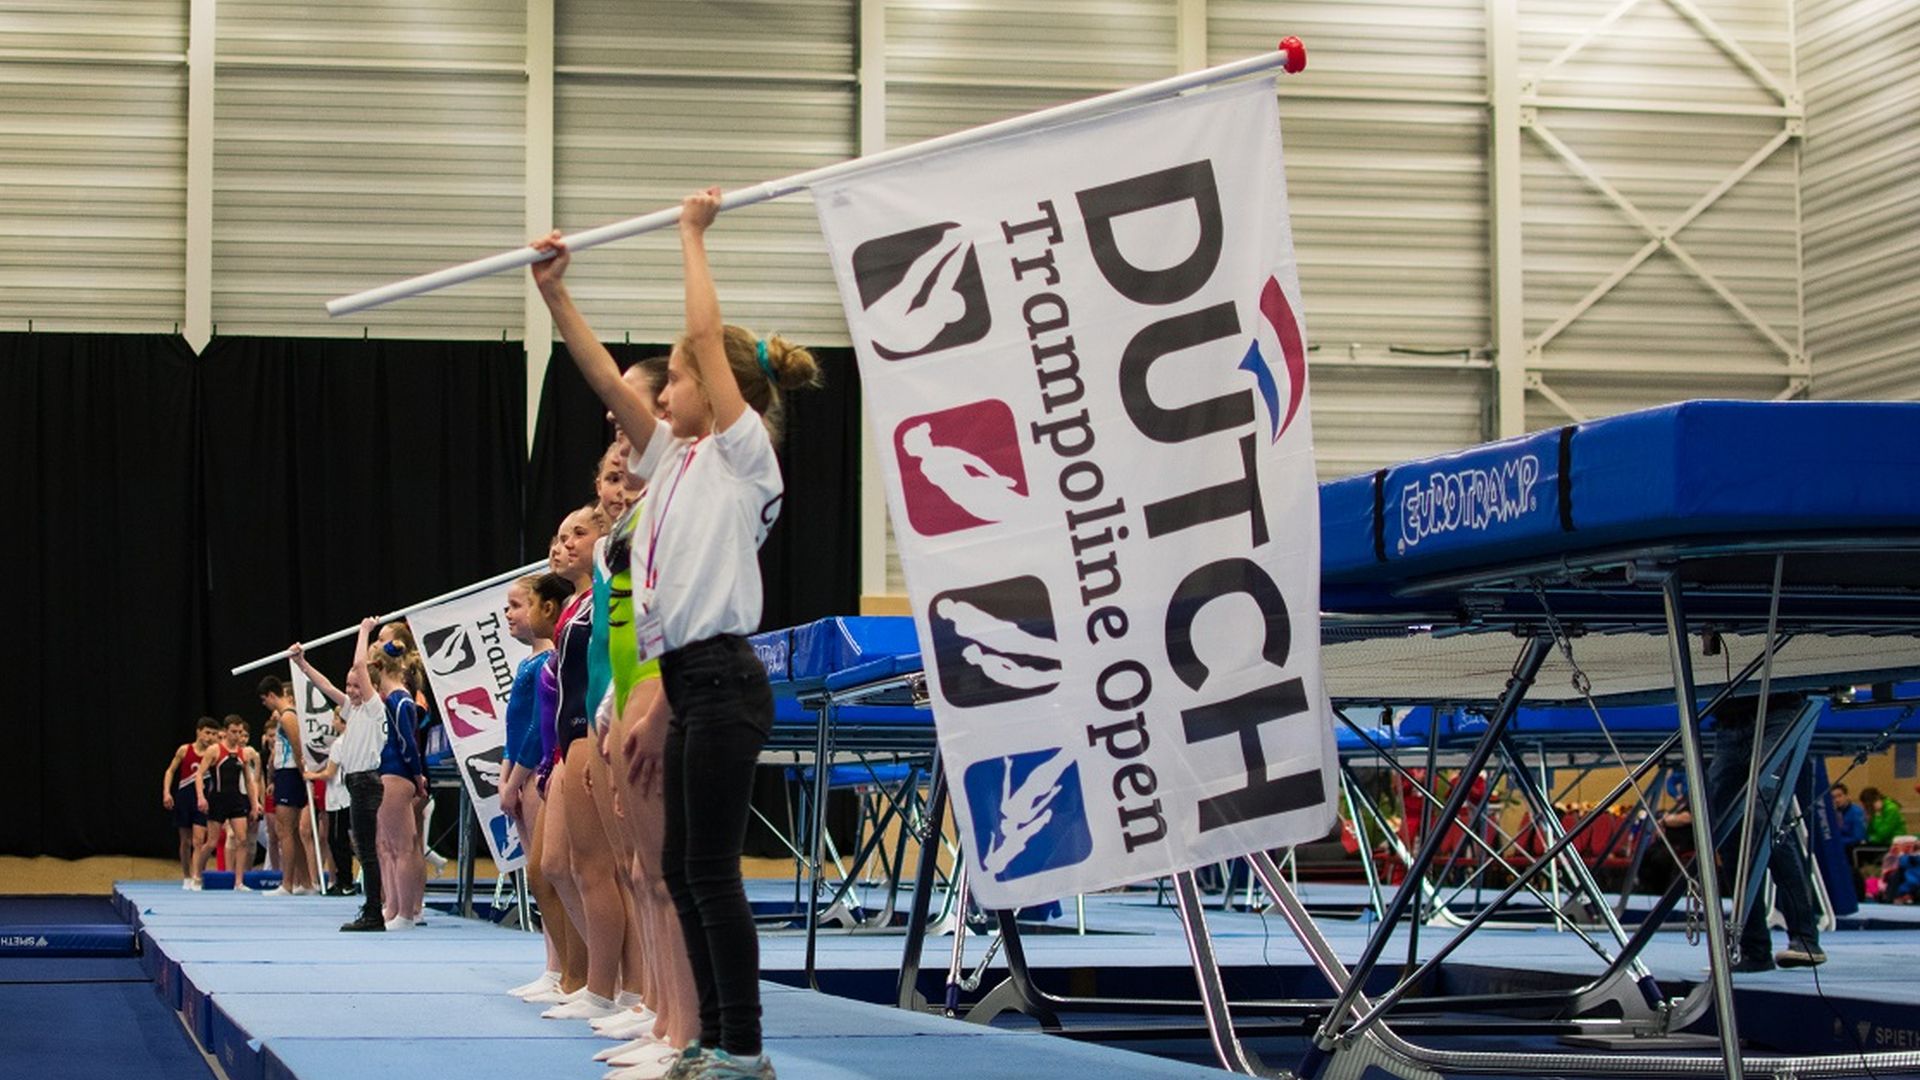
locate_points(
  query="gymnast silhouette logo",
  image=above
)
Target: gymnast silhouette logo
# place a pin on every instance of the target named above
(470, 712)
(1278, 315)
(506, 838)
(1029, 814)
(449, 650)
(960, 468)
(483, 772)
(923, 291)
(994, 643)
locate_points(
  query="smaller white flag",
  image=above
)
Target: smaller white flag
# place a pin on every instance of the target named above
(470, 662)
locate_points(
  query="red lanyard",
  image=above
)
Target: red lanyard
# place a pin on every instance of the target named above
(653, 538)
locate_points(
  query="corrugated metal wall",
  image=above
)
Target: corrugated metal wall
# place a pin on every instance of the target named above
(1656, 108)
(93, 131)
(357, 143)
(1861, 196)
(366, 141)
(1386, 158)
(657, 98)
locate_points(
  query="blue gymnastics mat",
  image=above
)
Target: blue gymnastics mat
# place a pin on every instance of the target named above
(272, 989)
(62, 926)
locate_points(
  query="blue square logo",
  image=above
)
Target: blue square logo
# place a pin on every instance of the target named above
(1029, 815)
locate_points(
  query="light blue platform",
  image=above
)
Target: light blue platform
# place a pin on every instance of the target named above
(272, 989)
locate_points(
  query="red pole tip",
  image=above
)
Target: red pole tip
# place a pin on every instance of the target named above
(1296, 51)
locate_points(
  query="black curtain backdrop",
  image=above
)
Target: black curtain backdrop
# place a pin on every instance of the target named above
(349, 478)
(103, 547)
(173, 516)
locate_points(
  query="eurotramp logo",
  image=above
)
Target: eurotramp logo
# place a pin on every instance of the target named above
(1471, 499)
(1029, 814)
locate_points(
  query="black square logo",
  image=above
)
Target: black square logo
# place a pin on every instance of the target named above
(449, 650)
(995, 643)
(923, 291)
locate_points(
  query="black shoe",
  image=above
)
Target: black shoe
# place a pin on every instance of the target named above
(365, 922)
(333, 890)
(1757, 962)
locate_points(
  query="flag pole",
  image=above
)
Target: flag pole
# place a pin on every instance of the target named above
(497, 579)
(1290, 55)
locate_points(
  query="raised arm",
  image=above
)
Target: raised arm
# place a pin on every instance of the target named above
(631, 409)
(360, 653)
(299, 655)
(705, 331)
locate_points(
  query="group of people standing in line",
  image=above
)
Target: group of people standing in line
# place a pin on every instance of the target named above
(366, 771)
(634, 728)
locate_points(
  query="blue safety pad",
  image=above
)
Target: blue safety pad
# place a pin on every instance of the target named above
(889, 715)
(102, 939)
(876, 670)
(826, 646)
(1695, 473)
(1370, 741)
(1641, 727)
(62, 926)
(788, 710)
(847, 776)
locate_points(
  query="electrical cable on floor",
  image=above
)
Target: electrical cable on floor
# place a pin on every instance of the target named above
(1859, 1045)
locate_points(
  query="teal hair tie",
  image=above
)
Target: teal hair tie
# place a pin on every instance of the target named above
(760, 354)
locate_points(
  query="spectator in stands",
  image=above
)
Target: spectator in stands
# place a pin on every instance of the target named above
(1851, 833)
(1900, 872)
(1884, 819)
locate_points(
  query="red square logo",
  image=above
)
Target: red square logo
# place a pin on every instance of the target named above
(960, 468)
(471, 712)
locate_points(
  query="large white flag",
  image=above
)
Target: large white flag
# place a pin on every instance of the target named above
(1082, 357)
(470, 662)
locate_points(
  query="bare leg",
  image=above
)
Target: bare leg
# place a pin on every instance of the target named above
(273, 845)
(526, 819)
(206, 838)
(293, 848)
(240, 847)
(644, 821)
(563, 940)
(396, 840)
(632, 953)
(590, 860)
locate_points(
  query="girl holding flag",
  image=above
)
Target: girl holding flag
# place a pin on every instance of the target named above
(715, 490)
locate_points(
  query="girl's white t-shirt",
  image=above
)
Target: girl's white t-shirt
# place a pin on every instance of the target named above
(358, 748)
(710, 502)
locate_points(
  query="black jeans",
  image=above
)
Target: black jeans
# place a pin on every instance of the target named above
(363, 811)
(722, 712)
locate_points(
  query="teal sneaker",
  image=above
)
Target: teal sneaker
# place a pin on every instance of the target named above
(724, 1066)
(690, 1064)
